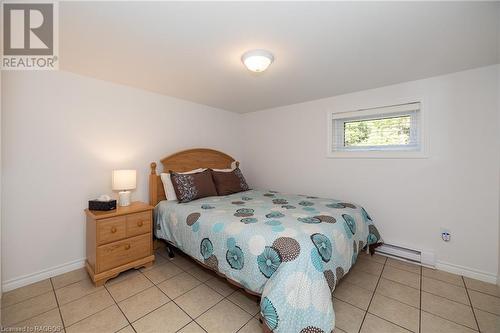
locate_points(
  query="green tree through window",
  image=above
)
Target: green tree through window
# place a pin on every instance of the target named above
(377, 132)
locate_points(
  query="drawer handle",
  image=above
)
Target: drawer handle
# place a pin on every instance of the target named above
(140, 223)
(113, 230)
(127, 246)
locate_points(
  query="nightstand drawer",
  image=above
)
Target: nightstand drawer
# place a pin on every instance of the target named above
(118, 240)
(122, 252)
(138, 223)
(110, 230)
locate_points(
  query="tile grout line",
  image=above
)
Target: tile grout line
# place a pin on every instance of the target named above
(39, 313)
(144, 315)
(245, 324)
(205, 284)
(435, 279)
(385, 319)
(446, 298)
(170, 300)
(398, 325)
(392, 267)
(462, 304)
(449, 299)
(114, 300)
(57, 303)
(443, 281)
(215, 277)
(69, 284)
(406, 270)
(451, 321)
(239, 306)
(78, 298)
(223, 298)
(378, 293)
(188, 271)
(229, 300)
(374, 291)
(371, 299)
(154, 285)
(187, 314)
(182, 271)
(471, 305)
(482, 292)
(428, 292)
(355, 284)
(173, 300)
(420, 309)
(45, 312)
(403, 284)
(192, 321)
(201, 314)
(355, 306)
(76, 322)
(129, 297)
(488, 312)
(27, 299)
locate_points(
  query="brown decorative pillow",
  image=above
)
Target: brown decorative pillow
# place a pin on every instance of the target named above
(229, 182)
(193, 186)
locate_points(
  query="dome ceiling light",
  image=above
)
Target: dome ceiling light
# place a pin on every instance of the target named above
(257, 60)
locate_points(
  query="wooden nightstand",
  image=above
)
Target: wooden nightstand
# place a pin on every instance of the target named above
(118, 240)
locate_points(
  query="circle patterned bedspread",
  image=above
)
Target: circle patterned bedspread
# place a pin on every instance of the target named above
(291, 249)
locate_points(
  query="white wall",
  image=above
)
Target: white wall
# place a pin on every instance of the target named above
(410, 199)
(62, 134)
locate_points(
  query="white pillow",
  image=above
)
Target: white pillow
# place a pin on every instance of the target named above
(233, 166)
(169, 187)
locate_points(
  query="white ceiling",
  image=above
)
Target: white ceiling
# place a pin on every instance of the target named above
(192, 50)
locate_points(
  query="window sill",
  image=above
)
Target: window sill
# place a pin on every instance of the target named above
(378, 154)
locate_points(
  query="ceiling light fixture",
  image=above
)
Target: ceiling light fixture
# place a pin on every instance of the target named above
(257, 60)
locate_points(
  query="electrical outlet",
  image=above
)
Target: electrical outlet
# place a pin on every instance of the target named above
(445, 234)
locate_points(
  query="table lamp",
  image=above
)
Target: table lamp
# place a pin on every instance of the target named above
(124, 181)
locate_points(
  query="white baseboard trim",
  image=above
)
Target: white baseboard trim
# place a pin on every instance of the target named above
(468, 272)
(70, 266)
(41, 275)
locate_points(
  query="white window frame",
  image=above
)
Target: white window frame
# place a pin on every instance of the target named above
(336, 121)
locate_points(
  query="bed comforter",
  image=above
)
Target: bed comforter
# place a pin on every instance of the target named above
(291, 249)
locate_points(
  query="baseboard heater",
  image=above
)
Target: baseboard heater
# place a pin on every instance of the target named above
(425, 258)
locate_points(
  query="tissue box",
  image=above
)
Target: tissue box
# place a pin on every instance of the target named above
(102, 205)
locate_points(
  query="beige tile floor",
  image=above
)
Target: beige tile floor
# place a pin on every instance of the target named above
(378, 295)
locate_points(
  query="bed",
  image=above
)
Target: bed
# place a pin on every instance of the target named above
(290, 249)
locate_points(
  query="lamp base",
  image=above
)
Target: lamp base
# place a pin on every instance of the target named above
(124, 198)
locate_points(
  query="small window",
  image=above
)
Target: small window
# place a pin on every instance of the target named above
(374, 132)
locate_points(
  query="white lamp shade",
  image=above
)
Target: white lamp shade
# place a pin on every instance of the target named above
(257, 60)
(123, 180)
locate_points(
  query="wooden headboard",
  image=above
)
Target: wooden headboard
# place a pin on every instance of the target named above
(184, 161)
